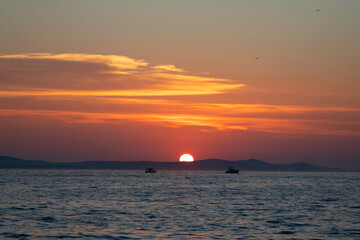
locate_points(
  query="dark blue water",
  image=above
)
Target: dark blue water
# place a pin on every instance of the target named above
(87, 204)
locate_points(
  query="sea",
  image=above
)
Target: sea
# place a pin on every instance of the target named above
(118, 204)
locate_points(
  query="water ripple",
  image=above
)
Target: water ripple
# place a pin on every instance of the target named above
(87, 204)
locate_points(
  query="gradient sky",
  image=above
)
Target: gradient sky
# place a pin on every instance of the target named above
(150, 80)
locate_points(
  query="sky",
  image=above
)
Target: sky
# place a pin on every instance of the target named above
(115, 80)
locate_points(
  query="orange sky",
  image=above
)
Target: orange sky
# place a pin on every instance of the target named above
(238, 81)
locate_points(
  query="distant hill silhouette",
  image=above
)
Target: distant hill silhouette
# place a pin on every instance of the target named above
(199, 165)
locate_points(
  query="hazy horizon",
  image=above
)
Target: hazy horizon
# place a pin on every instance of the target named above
(242, 164)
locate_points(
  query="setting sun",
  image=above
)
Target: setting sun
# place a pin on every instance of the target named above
(186, 158)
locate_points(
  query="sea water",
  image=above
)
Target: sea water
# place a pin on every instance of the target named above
(114, 204)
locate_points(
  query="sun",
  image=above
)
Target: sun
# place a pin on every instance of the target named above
(186, 158)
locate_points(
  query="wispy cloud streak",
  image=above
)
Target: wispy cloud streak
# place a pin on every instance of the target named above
(115, 61)
(136, 79)
(112, 89)
(205, 122)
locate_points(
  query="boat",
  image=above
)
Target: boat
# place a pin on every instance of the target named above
(231, 170)
(150, 170)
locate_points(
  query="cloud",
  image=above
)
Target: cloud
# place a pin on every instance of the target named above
(111, 89)
(114, 61)
(168, 68)
(47, 74)
(204, 122)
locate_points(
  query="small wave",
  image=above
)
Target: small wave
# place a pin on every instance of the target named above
(122, 213)
(286, 232)
(43, 206)
(297, 224)
(243, 227)
(329, 199)
(20, 208)
(353, 232)
(275, 221)
(90, 236)
(64, 236)
(48, 219)
(334, 232)
(93, 211)
(15, 235)
(317, 207)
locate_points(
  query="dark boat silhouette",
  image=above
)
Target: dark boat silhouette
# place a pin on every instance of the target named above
(231, 170)
(150, 170)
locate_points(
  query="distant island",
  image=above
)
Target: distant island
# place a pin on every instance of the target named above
(199, 165)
